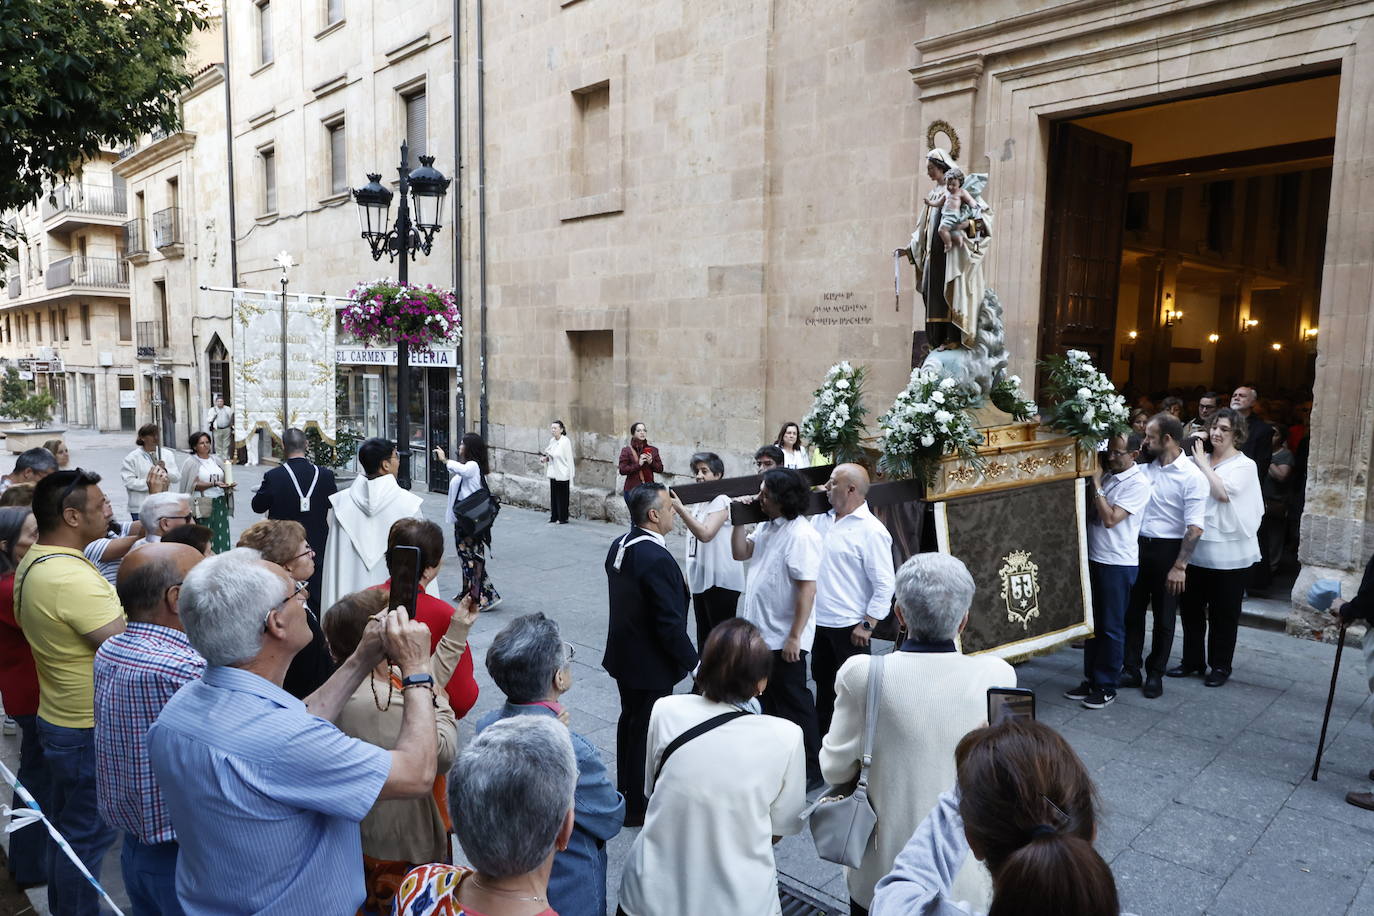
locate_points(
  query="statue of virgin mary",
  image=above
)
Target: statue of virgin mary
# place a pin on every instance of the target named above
(951, 283)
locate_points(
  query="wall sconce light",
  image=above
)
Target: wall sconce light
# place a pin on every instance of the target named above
(1248, 324)
(1276, 346)
(1309, 333)
(1132, 334)
(1172, 317)
(1213, 337)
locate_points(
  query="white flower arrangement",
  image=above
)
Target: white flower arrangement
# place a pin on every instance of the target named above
(927, 421)
(1007, 396)
(1086, 404)
(835, 422)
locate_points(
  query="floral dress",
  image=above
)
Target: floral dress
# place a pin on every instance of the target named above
(430, 889)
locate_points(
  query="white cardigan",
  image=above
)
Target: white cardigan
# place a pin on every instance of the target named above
(560, 466)
(929, 701)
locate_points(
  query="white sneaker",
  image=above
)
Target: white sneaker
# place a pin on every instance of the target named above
(11, 726)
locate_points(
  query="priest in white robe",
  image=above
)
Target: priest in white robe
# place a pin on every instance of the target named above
(360, 520)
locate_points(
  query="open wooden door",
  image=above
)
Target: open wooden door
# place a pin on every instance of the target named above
(1084, 216)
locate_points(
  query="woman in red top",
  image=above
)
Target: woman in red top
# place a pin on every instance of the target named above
(639, 461)
(434, 612)
(19, 688)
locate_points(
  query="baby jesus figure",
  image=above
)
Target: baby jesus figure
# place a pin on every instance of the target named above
(958, 210)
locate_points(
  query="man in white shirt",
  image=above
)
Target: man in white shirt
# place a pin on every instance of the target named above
(854, 589)
(161, 513)
(220, 419)
(778, 598)
(1115, 510)
(1169, 532)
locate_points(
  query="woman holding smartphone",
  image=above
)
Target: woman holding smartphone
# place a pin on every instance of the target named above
(558, 467)
(639, 461)
(210, 484)
(470, 475)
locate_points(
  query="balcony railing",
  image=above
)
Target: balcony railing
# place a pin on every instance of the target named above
(167, 227)
(14, 286)
(150, 338)
(110, 273)
(91, 200)
(135, 237)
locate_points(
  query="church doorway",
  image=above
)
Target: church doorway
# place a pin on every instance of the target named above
(1184, 247)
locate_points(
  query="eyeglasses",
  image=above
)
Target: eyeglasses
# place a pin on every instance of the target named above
(569, 653)
(309, 552)
(188, 518)
(1117, 453)
(298, 592)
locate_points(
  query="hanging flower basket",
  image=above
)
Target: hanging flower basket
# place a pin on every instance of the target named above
(835, 422)
(385, 312)
(1086, 405)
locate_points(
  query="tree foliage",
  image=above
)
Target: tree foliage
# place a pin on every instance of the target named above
(80, 74)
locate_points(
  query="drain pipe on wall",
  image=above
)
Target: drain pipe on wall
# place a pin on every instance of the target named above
(229, 143)
(460, 396)
(482, 219)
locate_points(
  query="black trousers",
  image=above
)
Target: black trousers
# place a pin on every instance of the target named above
(713, 606)
(788, 697)
(1210, 608)
(631, 743)
(1157, 556)
(833, 647)
(558, 500)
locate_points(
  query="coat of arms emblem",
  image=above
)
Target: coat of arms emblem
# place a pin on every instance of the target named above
(1020, 587)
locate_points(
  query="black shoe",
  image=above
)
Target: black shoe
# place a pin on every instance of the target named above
(1183, 671)
(1216, 677)
(1130, 677)
(1100, 698)
(1079, 692)
(1154, 686)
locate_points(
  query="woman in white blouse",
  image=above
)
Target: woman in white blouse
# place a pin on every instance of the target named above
(723, 798)
(1220, 565)
(558, 467)
(714, 577)
(470, 475)
(209, 482)
(793, 452)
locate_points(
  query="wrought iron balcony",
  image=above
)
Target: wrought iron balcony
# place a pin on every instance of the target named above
(150, 339)
(107, 273)
(135, 238)
(86, 200)
(167, 227)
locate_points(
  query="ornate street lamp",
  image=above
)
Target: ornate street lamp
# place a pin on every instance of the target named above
(424, 188)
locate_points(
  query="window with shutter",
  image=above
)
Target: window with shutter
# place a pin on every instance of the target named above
(417, 125)
(338, 159)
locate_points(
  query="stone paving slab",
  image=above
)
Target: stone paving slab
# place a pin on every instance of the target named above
(1208, 805)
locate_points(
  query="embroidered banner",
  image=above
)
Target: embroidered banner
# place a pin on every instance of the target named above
(1027, 549)
(309, 364)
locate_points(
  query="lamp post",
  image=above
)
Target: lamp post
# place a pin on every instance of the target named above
(425, 188)
(285, 262)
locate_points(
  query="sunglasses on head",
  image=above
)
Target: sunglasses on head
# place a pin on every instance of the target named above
(82, 479)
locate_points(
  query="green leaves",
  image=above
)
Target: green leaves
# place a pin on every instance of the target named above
(79, 73)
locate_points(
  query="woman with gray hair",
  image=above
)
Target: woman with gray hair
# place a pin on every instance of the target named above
(930, 696)
(532, 666)
(514, 786)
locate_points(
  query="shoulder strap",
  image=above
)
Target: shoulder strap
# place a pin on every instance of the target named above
(875, 684)
(19, 583)
(695, 731)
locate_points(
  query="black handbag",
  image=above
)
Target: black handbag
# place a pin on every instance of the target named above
(474, 514)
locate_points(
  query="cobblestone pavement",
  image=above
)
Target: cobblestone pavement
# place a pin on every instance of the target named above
(1208, 805)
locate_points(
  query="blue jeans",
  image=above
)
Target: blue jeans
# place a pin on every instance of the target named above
(70, 755)
(1111, 592)
(150, 876)
(29, 846)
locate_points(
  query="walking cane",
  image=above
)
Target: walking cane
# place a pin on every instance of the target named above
(1330, 698)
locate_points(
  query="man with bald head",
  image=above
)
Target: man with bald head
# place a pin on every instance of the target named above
(1259, 443)
(136, 673)
(854, 587)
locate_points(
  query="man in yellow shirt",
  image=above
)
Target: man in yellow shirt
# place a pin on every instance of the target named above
(66, 609)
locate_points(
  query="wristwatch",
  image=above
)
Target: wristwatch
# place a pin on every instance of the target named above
(418, 680)
(866, 625)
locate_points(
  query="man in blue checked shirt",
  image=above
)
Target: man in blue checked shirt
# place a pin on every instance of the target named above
(136, 673)
(264, 792)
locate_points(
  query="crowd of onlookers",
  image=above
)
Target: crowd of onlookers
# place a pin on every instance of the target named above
(265, 734)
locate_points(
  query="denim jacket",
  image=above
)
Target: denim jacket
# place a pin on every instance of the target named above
(577, 885)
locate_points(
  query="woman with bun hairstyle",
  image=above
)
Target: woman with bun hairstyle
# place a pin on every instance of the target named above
(1023, 803)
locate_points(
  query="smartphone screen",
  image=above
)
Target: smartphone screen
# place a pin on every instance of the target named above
(1007, 702)
(404, 564)
(479, 572)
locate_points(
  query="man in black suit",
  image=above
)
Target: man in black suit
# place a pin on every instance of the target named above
(647, 649)
(299, 491)
(1259, 443)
